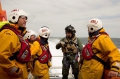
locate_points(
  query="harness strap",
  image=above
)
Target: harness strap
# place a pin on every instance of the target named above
(17, 33)
(14, 56)
(104, 33)
(98, 59)
(74, 41)
(19, 36)
(11, 28)
(34, 62)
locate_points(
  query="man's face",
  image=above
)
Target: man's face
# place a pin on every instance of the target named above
(68, 34)
(22, 21)
(32, 37)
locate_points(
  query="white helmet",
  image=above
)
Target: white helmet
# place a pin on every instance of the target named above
(44, 32)
(94, 25)
(29, 33)
(15, 14)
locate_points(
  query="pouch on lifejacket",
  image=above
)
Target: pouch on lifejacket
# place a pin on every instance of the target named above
(46, 55)
(23, 55)
(87, 52)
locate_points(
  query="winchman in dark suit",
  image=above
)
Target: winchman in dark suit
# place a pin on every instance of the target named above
(71, 46)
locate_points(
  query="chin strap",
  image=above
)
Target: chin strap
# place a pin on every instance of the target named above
(22, 30)
(94, 33)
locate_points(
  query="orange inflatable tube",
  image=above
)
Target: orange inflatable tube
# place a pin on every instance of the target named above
(105, 75)
(3, 16)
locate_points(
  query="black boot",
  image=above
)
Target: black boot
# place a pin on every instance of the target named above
(76, 77)
(65, 77)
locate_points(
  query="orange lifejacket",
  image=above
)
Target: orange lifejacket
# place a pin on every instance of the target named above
(87, 52)
(23, 55)
(46, 54)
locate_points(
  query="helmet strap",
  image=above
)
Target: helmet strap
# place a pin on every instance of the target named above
(43, 41)
(95, 33)
(13, 23)
(22, 29)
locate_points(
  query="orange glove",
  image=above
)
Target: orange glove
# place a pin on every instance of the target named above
(15, 72)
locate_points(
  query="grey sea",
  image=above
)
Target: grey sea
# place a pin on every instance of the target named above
(116, 41)
(84, 40)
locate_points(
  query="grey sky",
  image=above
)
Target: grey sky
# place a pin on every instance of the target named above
(57, 14)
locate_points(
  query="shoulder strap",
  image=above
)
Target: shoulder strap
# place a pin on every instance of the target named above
(19, 36)
(64, 39)
(95, 56)
(103, 33)
(11, 28)
(98, 59)
(37, 39)
(75, 40)
(100, 33)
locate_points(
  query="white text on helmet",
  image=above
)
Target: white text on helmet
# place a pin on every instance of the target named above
(44, 30)
(14, 10)
(94, 21)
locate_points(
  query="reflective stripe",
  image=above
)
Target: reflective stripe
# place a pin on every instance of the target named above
(13, 70)
(115, 67)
